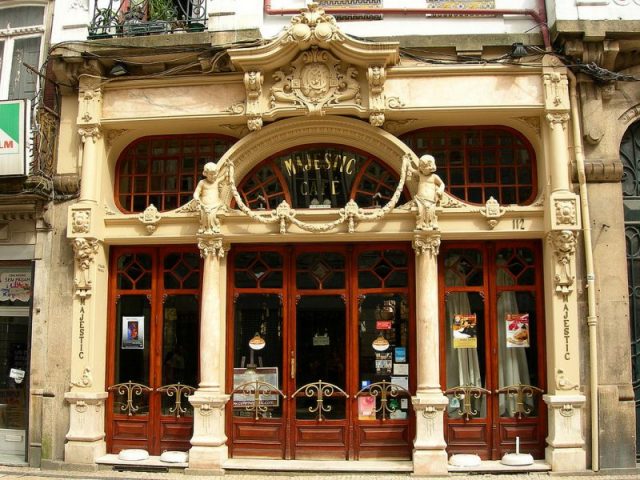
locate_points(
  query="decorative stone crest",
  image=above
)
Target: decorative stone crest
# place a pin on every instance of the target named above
(492, 212)
(80, 221)
(313, 26)
(564, 244)
(84, 250)
(150, 218)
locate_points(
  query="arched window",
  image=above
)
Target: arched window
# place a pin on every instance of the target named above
(320, 176)
(477, 163)
(164, 170)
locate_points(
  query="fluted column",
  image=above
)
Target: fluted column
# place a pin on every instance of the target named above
(429, 455)
(209, 449)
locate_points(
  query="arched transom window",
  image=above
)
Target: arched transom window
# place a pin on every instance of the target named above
(164, 170)
(319, 176)
(477, 163)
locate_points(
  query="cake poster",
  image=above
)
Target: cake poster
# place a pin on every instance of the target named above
(465, 331)
(517, 330)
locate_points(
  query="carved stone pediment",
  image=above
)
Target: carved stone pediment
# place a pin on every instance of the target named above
(313, 67)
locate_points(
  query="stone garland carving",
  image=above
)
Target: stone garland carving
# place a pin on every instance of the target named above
(427, 244)
(85, 250)
(492, 212)
(564, 244)
(556, 91)
(284, 215)
(376, 76)
(80, 221)
(253, 84)
(150, 218)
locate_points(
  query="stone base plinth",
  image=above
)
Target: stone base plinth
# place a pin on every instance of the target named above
(208, 459)
(565, 451)
(85, 438)
(84, 452)
(566, 459)
(430, 463)
(209, 450)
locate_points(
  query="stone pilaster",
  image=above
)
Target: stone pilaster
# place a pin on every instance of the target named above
(209, 449)
(89, 113)
(565, 445)
(429, 455)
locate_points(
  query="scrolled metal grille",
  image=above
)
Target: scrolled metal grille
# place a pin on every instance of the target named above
(384, 390)
(319, 390)
(520, 392)
(178, 391)
(466, 393)
(130, 389)
(257, 389)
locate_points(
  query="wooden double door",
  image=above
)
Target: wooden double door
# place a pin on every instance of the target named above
(492, 347)
(153, 340)
(320, 349)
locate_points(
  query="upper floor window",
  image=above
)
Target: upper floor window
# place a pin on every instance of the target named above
(319, 176)
(21, 30)
(477, 163)
(164, 171)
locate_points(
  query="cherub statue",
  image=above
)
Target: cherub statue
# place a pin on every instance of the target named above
(430, 190)
(207, 194)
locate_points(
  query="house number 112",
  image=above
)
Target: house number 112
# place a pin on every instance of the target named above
(517, 223)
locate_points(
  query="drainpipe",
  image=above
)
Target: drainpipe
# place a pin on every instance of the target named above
(539, 16)
(592, 318)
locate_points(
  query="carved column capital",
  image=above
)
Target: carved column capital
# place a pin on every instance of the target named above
(427, 244)
(90, 132)
(212, 245)
(557, 120)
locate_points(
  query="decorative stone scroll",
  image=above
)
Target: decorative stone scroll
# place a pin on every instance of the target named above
(284, 215)
(84, 250)
(564, 244)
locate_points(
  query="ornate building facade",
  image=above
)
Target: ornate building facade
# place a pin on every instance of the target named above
(319, 247)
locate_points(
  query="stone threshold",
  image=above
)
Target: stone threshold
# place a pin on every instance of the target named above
(151, 462)
(494, 466)
(398, 466)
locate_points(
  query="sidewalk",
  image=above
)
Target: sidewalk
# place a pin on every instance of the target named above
(27, 473)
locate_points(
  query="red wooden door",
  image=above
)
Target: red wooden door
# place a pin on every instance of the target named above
(492, 347)
(153, 348)
(315, 311)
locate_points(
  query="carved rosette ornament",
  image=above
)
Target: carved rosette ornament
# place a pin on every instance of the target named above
(211, 246)
(81, 221)
(565, 211)
(427, 244)
(564, 245)
(84, 249)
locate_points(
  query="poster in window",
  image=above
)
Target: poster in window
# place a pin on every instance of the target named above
(267, 396)
(366, 407)
(465, 330)
(517, 330)
(383, 363)
(132, 333)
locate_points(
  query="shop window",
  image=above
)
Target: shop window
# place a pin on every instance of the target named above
(477, 163)
(164, 171)
(320, 176)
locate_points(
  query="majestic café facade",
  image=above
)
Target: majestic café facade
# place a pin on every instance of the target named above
(321, 293)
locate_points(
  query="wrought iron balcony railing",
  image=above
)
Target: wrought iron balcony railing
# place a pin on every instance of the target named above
(125, 18)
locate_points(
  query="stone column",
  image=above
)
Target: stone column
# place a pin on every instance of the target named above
(429, 455)
(209, 449)
(565, 443)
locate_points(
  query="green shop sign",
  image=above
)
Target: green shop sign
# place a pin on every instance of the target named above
(13, 151)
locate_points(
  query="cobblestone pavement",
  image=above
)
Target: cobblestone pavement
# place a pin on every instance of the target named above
(26, 473)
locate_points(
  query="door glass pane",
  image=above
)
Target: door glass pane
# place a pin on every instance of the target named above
(258, 319)
(517, 347)
(320, 270)
(179, 347)
(384, 316)
(465, 339)
(133, 346)
(463, 268)
(320, 355)
(23, 82)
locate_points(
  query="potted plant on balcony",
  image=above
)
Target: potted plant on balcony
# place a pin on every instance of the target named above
(161, 14)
